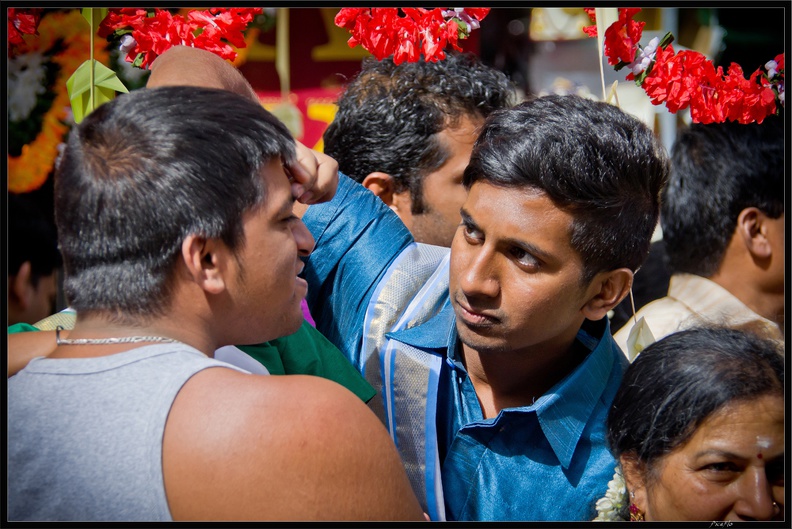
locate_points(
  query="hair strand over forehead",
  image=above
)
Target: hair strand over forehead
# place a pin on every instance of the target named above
(591, 159)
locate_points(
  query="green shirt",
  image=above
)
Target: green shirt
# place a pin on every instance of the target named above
(306, 352)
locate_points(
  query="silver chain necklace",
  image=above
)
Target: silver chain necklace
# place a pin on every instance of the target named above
(105, 341)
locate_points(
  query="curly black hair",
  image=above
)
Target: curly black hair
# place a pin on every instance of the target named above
(389, 116)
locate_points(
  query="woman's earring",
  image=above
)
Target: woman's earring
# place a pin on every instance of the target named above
(635, 513)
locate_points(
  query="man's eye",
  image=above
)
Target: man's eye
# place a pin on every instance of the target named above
(471, 232)
(523, 257)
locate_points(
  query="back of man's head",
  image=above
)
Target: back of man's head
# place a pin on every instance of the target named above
(717, 171)
(389, 116)
(592, 160)
(143, 172)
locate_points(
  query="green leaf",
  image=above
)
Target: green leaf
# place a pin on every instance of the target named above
(106, 84)
(667, 39)
(621, 65)
(94, 16)
(639, 79)
(138, 60)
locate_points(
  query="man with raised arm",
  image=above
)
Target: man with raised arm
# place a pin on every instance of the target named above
(306, 351)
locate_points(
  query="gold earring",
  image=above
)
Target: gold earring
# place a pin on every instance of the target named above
(635, 513)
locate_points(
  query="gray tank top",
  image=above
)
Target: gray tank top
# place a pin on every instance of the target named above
(85, 434)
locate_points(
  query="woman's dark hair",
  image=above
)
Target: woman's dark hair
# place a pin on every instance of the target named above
(678, 382)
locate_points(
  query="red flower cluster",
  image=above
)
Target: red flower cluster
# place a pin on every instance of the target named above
(21, 21)
(156, 31)
(621, 38)
(383, 31)
(689, 79)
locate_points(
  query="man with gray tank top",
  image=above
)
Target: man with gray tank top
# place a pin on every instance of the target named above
(175, 218)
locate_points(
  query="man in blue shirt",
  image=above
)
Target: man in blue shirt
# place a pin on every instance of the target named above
(494, 361)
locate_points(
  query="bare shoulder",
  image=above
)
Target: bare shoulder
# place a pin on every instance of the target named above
(242, 446)
(24, 346)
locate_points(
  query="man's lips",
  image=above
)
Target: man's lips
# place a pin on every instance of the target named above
(473, 317)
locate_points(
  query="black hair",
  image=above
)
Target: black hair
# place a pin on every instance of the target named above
(143, 172)
(717, 170)
(676, 383)
(389, 116)
(32, 237)
(591, 159)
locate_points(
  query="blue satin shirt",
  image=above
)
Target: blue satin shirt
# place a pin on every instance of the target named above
(547, 461)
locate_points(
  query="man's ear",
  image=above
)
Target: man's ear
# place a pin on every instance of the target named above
(606, 290)
(20, 287)
(204, 259)
(752, 229)
(382, 185)
(634, 473)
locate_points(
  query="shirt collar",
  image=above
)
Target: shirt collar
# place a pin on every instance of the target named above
(710, 301)
(565, 409)
(434, 333)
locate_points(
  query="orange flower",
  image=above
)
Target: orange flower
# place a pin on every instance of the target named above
(28, 171)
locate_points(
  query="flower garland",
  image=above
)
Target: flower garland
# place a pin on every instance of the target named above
(383, 31)
(65, 30)
(144, 34)
(613, 506)
(688, 79)
(147, 33)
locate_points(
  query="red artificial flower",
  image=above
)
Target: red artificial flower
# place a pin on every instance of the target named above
(121, 18)
(688, 79)
(406, 30)
(228, 24)
(709, 103)
(347, 17)
(435, 35)
(479, 13)
(157, 34)
(621, 38)
(452, 34)
(381, 35)
(751, 101)
(780, 62)
(21, 22)
(205, 29)
(664, 72)
(384, 31)
(591, 31)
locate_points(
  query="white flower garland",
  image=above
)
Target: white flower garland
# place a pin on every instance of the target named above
(613, 506)
(26, 75)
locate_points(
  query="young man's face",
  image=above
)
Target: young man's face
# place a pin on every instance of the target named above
(443, 193)
(268, 287)
(514, 276)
